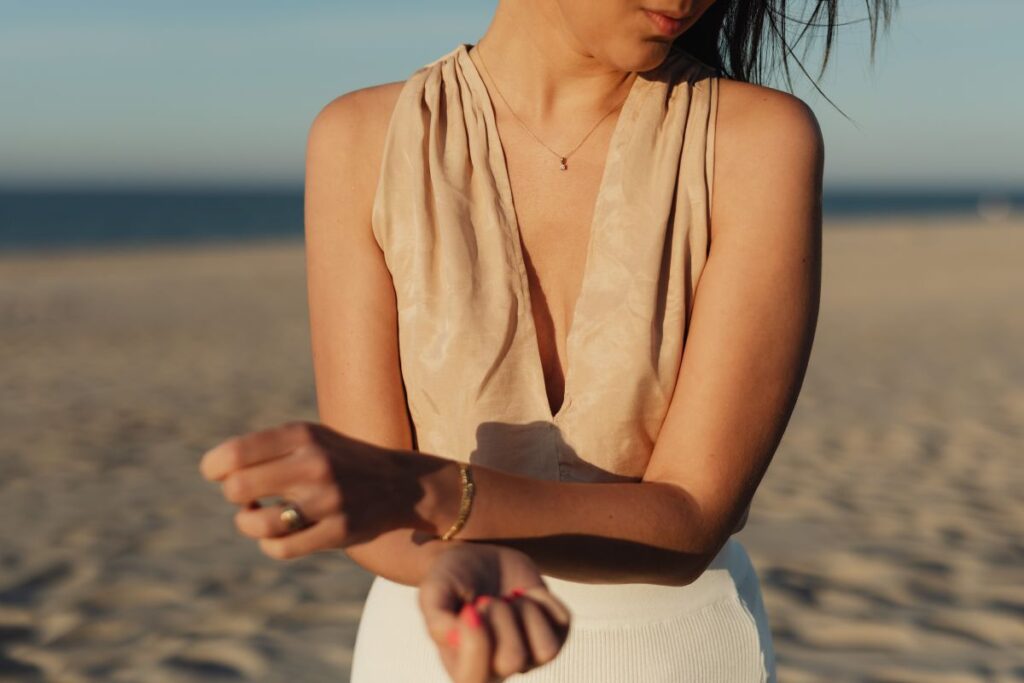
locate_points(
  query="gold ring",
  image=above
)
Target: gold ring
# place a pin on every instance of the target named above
(292, 516)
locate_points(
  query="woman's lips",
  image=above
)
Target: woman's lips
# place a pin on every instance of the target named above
(665, 25)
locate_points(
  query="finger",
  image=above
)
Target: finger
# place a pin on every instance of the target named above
(248, 449)
(555, 607)
(474, 649)
(275, 477)
(266, 522)
(511, 651)
(329, 532)
(450, 656)
(448, 648)
(439, 605)
(544, 642)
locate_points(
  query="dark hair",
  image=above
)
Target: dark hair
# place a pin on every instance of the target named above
(748, 40)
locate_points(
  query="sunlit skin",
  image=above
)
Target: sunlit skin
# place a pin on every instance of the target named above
(562, 64)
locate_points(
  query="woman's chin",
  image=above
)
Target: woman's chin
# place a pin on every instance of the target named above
(644, 55)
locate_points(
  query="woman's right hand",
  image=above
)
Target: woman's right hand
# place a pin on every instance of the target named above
(490, 613)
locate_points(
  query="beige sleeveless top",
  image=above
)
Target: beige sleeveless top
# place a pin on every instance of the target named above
(470, 359)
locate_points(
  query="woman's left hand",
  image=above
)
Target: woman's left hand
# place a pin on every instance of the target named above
(347, 490)
(489, 612)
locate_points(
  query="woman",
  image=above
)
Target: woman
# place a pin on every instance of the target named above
(503, 257)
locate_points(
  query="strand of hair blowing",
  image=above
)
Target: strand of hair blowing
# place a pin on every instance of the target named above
(748, 40)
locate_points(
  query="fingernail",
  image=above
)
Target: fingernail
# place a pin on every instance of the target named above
(516, 592)
(452, 636)
(470, 615)
(482, 600)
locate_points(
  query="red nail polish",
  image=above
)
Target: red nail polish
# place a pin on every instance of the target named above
(452, 637)
(482, 600)
(469, 615)
(516, 592)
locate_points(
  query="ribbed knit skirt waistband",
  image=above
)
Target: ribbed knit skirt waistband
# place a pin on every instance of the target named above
(713, 630)
(621, 602)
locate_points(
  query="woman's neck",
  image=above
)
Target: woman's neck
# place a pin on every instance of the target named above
(542, 70)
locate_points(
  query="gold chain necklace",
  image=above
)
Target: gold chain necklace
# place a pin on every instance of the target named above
(563, 158)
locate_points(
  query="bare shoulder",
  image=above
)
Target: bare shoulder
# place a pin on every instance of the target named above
(769, 160)
(358, 111)
(755, 119)
(346, 138)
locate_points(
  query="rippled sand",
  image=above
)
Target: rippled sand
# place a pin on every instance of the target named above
(887, 532)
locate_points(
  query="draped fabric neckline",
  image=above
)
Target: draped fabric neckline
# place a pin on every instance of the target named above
(627, 115)
(445, 219)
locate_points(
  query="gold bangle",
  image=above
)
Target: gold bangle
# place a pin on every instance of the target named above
(465, 503)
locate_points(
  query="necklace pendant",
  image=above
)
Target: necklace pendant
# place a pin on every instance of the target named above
(563, 166)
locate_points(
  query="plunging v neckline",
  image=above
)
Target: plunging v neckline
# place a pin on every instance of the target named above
(501, 174)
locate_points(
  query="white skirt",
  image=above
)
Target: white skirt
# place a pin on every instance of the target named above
(713, 630)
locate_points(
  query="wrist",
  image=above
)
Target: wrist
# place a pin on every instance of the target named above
(441, 492)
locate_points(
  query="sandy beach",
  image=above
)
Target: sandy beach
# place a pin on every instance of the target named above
(887, 533)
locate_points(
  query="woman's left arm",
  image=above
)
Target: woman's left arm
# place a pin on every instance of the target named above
(751, 330)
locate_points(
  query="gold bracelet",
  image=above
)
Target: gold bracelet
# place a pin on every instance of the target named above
(465, 503)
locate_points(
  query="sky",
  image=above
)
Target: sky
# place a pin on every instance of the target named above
(222, 92)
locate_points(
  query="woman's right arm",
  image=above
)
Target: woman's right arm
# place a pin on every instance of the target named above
(352, 308)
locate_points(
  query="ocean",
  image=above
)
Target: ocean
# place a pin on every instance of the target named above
(48, 219)
(40, 219)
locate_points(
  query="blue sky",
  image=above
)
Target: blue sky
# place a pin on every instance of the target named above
(223, 91)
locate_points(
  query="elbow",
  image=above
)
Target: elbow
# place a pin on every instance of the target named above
(703, 541)
(699, 562)
(699, 536)
(705, 552)
(680, 569)
(691, 567)
(689, 564)
(704, 549)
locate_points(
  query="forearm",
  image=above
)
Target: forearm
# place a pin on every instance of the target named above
(591, 532)
(404, 554)
(401, 555)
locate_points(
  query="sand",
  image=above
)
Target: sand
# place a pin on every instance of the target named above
(887, 533)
